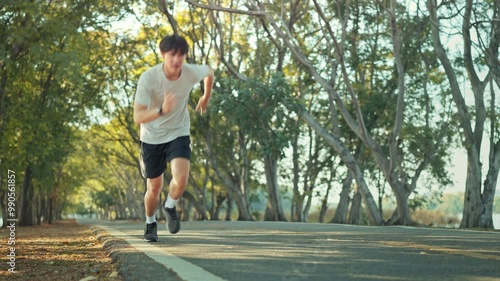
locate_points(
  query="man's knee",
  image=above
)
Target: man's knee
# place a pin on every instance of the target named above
(181, 181)
(155, 185)
(180, 172)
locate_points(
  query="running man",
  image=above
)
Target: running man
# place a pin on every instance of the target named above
(161, 110)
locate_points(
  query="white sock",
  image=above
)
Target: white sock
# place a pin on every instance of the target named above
(170, 203)
(150, 219)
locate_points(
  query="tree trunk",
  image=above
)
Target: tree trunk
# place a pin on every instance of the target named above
(186, 207)
(297, 203)
(3, 206)
(478, 206)
(472, 197)
(396, 170)
(229, 207)
(490, 185)
(274, 210)
(196, 204)
(219, 200)
(235, 184)
(351, 163)
(241, 203)
(215, 204)
(38, 208)
(307, 207)
(343, 205)
(41, 209)
(243, 207)
(297, 199)
(324, 202)
(50, 213)
(131, 210)
(26, 210)
(404, 217)
(355, 213)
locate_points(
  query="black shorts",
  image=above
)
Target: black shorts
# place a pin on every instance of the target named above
(154, 157)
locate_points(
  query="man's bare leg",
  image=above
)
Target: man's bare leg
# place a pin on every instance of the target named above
(151, 198)
(180, 174)
(152, 195)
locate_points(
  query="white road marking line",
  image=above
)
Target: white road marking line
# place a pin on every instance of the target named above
(185, 270)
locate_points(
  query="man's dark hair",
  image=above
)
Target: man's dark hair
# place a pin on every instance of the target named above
(174, 42)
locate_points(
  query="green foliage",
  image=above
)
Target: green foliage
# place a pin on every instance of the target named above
(67, 85)
(450, 203)
(258, 109)
(51, 68)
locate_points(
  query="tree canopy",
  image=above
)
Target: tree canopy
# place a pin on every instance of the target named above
(353, 108)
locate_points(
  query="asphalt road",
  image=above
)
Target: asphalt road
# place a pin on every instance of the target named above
(272, 251)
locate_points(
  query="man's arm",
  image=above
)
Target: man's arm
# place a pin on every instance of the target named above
(203, 102)
(143, 115)
(209, 82)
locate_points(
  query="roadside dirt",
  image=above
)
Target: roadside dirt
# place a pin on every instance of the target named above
(63, 250)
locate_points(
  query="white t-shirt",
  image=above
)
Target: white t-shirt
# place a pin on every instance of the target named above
(150, 92)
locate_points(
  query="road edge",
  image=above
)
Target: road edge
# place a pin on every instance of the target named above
(132, 264)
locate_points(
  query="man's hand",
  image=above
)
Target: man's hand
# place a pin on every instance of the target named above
(169, 102)
(202, 104)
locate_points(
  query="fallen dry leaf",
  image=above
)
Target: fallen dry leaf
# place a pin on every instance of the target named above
(63, 250)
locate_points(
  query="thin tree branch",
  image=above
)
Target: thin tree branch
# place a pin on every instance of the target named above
(227, 10)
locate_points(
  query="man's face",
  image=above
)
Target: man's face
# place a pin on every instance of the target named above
(173, 61)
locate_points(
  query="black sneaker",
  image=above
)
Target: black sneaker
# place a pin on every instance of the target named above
(173, 223)
(151, 232)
